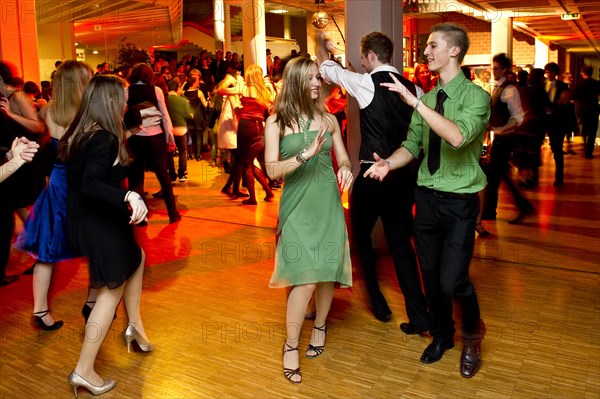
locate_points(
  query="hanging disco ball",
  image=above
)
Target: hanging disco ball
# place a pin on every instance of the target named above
(320, 19)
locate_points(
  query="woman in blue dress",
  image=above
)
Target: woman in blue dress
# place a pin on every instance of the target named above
(44, 233)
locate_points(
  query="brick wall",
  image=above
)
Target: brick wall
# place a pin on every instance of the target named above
(480, 36)
(523, 49)
(331, 31)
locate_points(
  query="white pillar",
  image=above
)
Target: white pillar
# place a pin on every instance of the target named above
(253, 33)
(287, 27)
(227, 33)
(502, 37)
(219, 21)
(541, 54)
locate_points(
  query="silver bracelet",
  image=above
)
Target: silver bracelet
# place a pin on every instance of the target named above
(300, 158)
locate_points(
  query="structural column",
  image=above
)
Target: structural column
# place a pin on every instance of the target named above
(254, 33)
(502, 37)
(287, 27)
(18, 37)
(219, 21)
(541, 54)
(365, 16)
(56, 42)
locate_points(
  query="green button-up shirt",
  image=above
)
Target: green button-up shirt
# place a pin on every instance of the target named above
(468, 106)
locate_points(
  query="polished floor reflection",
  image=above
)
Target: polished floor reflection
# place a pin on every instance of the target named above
(219, 328)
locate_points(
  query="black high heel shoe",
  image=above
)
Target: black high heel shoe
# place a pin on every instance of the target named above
(317, 349)
(86, 310)
(38, 323)
(290, 373)
(481, 230)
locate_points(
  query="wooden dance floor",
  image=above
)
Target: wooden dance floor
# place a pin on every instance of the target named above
(219, 328)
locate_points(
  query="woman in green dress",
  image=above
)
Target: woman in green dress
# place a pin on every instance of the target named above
(312, 242)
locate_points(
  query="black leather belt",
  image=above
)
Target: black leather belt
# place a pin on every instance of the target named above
(445, 194)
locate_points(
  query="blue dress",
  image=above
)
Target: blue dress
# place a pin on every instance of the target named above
(44, 232)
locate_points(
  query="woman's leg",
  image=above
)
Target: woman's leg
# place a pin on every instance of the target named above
(323, 299)
(132, 296)
(249, 179)
(42, 275)
(297, 303)
(96, 330)
(264, 182)
(92, 294)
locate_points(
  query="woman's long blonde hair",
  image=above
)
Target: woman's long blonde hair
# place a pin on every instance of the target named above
(255, 82)
(295, 97)
(102, 108)
(67, 89)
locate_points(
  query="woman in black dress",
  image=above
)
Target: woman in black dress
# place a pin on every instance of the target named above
(100, 219)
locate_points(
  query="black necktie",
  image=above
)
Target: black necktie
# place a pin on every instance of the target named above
(435, 141)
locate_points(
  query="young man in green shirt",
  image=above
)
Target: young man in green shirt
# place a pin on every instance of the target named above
(448, 125)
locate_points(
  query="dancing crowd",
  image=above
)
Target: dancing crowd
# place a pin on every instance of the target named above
(422, 138)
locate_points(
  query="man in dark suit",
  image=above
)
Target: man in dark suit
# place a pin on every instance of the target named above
(217, 67)
(586, 100)
(559, 96)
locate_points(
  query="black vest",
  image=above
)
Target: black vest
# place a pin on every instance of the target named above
(384, 122)
(499, 110)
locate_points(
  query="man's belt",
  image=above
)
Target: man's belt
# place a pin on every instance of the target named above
(446, 194)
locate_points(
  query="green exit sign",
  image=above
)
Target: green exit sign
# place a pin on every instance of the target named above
(569, 17)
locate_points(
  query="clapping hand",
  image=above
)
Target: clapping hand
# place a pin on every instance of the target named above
(379, 170)
(4, 106)
(23, 149)
(317, 143)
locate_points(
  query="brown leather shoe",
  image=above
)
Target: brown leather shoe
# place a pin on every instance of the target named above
(470, 359)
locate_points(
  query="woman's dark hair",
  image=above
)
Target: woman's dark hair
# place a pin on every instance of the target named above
(6, 73)
(141, 73)
(31, 88)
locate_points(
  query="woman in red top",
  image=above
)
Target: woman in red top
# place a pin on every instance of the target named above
(256, 101)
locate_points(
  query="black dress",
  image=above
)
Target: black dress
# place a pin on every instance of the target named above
(97, 217)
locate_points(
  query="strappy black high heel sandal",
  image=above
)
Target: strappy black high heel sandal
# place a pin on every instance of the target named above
(37, 322)
(316, 349)
(290, 373)
(86, 310)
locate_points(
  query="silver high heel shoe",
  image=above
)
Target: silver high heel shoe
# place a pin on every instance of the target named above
(131, 334)
(78, 381)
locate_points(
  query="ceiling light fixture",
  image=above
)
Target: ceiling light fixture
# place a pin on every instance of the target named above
(320, 19)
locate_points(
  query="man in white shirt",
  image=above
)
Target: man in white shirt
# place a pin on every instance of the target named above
(384, 125)
(506, 115)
